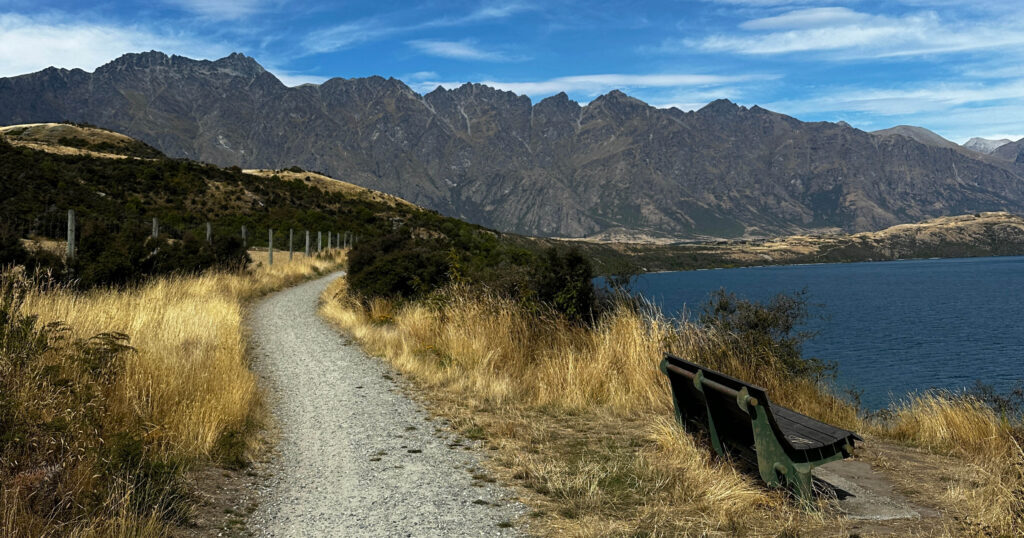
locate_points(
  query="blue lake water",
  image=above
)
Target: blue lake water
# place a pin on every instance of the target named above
(892, 327)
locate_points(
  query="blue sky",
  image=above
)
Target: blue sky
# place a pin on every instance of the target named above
(956, 67)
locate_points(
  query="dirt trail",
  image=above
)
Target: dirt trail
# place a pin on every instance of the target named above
(356, 457)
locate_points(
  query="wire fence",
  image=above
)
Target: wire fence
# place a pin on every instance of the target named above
(69, 228)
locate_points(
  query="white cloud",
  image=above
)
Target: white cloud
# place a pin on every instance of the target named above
(853, 34)
(807, 18)
(28, 44)
(223, 9)
(421, 75)
(346, 35)
(934, 97)
(596, 84)
(459, 50)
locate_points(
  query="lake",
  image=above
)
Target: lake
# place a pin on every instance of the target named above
(892, 327)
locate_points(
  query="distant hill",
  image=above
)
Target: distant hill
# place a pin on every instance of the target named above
(615, 166)
(919, 134)
(985, 145)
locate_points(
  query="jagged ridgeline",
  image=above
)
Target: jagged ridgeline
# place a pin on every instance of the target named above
(613, 168)
(115, 199)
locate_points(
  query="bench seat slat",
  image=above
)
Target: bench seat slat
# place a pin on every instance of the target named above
(794, 424)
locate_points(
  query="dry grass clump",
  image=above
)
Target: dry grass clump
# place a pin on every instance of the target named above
(572, 408)
(989, 446)
(114, 420)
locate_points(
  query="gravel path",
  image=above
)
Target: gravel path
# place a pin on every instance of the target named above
(355, 456)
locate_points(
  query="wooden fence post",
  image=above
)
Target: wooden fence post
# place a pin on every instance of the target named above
(209, 233)
(270, 246)
(71, 234)
(291, 251)
(307, 243)
(245, 240)
(156, 228)
(319, 241)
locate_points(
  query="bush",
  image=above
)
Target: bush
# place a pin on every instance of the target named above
(564, 281)
(765, 332)
(108, 256)
(398, 266)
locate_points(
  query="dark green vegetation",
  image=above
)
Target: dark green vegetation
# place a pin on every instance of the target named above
(406, 265)
(63, 455)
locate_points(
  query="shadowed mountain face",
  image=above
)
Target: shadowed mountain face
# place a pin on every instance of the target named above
(550, 168)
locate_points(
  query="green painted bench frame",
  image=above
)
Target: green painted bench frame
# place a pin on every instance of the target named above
(740, 420)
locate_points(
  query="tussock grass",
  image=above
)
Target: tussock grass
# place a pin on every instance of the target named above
(583, 415)
(182, 393)
(992, 501)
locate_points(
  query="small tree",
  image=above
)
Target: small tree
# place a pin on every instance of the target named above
(765, 331)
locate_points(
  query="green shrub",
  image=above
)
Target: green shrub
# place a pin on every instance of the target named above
(765, 331)
(398, 265)
(564, 280)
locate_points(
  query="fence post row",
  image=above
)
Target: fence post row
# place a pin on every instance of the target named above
(334, 240)
(270, 246)
(71, 234)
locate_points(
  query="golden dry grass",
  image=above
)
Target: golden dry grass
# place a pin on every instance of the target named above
(189, 377)
(579, 414)
(581, 420)
(187, 382)
(989, 491)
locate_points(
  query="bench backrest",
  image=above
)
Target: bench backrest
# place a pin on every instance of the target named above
(731, 422)
(727, 399)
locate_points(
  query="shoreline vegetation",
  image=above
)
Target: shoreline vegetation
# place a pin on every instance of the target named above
(109, 396)
(580, 419)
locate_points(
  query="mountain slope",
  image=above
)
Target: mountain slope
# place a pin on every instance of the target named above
(552, 168)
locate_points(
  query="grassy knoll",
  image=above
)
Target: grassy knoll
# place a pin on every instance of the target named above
(580, 418)
(108, 396)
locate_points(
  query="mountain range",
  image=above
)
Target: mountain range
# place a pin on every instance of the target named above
(613, 168)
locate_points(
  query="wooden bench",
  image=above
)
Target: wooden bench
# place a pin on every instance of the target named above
(740, 420)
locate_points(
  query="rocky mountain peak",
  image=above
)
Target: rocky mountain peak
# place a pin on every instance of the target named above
(720, 107)
(985, 145)
(240, 63)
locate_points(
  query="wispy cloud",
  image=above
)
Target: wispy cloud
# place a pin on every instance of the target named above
(957, 111)
(343, 36)
(851, 34)
(29, 44)
(895, 102)
(465, 49)
(349, 34)
(600, 83)
(224, 9)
